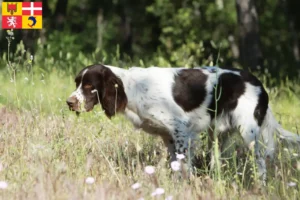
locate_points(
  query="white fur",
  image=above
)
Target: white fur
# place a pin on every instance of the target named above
(78, 93)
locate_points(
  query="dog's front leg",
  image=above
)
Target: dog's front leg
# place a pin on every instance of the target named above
(184, 144)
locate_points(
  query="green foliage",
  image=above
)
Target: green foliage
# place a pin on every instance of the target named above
(162, 32)
(186, 24)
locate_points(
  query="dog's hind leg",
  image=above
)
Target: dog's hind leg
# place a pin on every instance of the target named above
(250, 132)
(170, 144)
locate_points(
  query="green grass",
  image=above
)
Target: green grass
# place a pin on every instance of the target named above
(47, 152)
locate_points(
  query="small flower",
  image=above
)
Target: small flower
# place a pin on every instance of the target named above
(149, 169)
(175, 165)
(31, 57)
(291, 184)
(157, 192)
(89, 180)
(180, 156)
(136, 186)
(3, 185)
(169, 198)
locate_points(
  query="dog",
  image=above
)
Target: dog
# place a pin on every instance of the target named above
(179, 103)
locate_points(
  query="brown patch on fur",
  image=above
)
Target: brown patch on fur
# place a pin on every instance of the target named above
(114, 97)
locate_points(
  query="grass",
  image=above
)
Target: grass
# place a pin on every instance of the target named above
(49, 153)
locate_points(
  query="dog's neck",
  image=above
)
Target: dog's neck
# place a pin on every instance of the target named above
(121, 73)
(130, 111)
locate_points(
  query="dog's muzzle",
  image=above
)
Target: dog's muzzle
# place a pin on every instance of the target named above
(73, 103)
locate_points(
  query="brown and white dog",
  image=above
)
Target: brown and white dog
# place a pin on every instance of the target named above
(179, 103)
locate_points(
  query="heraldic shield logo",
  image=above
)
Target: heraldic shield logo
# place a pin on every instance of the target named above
(22, 15)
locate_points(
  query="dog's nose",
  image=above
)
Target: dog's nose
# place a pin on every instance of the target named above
(71, 101)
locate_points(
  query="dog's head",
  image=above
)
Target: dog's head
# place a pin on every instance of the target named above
(98, 84)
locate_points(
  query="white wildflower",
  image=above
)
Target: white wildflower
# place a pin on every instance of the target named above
(89, 180)
(291, 184)
(169, 198)
(180, 156)
(3, 185)
(157, 192)
(31, 57)
(175, 165)
(149, 169)
(136, 186)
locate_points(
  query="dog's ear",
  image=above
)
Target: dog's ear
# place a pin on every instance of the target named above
(113, 95)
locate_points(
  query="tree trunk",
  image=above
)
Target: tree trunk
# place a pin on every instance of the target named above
(100, 28)
(291, 9)
(46, 9)
(46, 21)
(28, 37)
(249, 42)
(126, 29)
(60, 14)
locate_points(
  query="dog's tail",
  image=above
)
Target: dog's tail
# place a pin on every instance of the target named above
(271, 128)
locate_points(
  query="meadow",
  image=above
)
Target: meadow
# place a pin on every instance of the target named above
(47, 152)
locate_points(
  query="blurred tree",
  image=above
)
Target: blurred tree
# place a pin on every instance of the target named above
(240, 33)
(249, 42)
(46, 9)
(194, 31)
(60, 14)
(291, 8)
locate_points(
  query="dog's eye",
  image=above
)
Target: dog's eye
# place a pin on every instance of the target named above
(87, 86)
